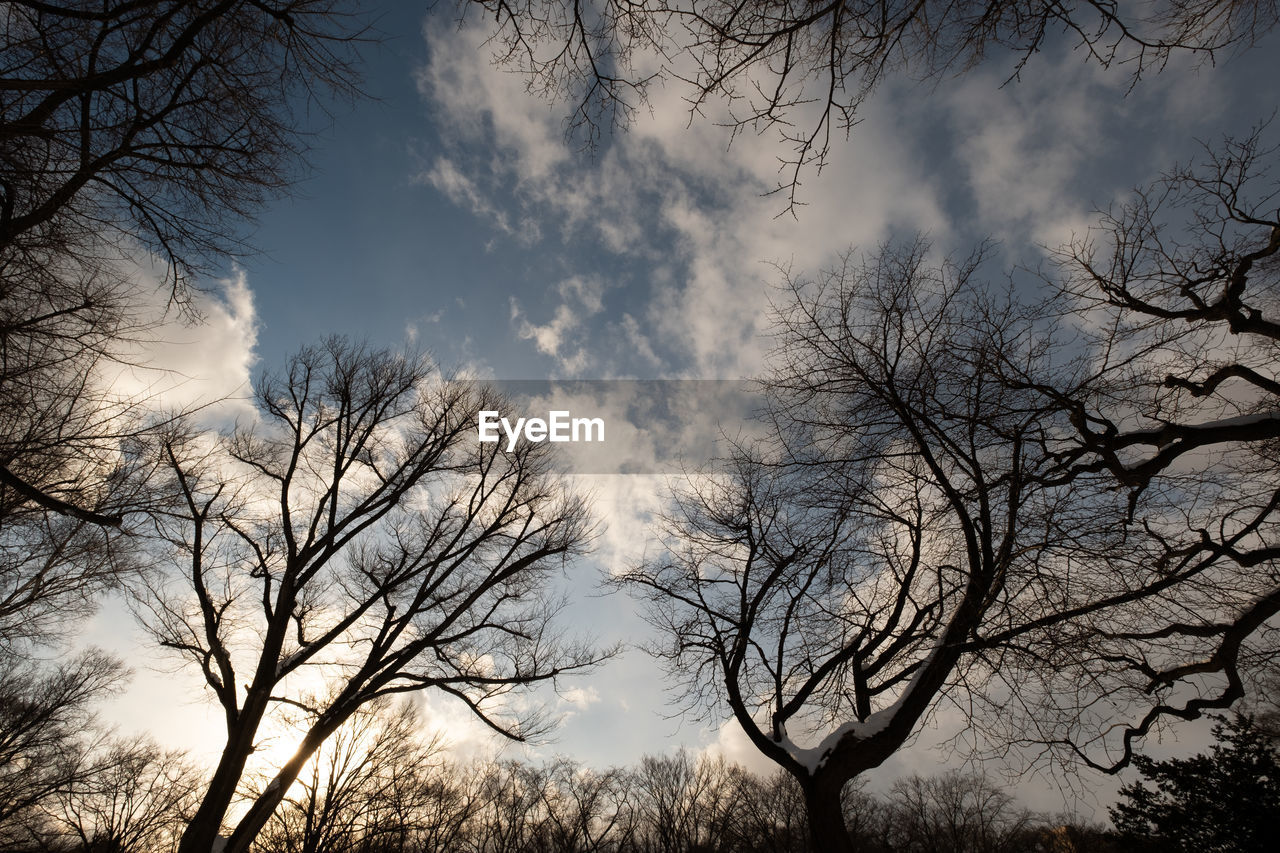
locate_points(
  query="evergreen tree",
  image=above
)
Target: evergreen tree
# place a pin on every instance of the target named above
(1228, 800)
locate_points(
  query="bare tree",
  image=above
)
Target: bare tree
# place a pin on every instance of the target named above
(803, 69)
(768, 814)
(359, 542)
(161, 121)
(906, 536)
(342, 797)
(46, 742)
(1054, 515)
(1178, 403)
(137, 798)
(52, 569)
(423, 811)
(956, 812)
(509, 816)
(685, 802)
(588, 810)
(130, 131)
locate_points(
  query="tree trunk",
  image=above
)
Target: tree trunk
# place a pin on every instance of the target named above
(201, 834)
(265, 805)
(827, 832)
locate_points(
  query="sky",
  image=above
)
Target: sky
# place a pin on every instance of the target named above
(449, 212)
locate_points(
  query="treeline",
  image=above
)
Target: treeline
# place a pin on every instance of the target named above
(673, 803)
(378, 787)
(668, 804)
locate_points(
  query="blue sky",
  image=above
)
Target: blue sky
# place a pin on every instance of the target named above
(451, 213)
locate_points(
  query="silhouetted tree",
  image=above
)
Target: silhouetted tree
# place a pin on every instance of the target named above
(955, 812)
(510, 816)
(160, 123)
(359, 535)
(1070, 835)
(685, 803)
(424, 811)
(46, 737)
(131, 131)
(673, 802)
(587, 810)
(1060, 512)
(902, 536)
(1228, 800)
(351, 789)
(1265, 707)
(1177, 399)
(767, 814)
(137, 798)
(803, 69)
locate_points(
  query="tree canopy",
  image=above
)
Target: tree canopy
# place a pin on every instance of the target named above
(996, 501)
(354, 543)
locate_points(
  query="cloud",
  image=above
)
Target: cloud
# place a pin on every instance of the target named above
(731, 743)
(580, 698)
(689, 210)
(463, 191)
(198, 362)
(581, 298)
(1022, 148)
(685, 204)
(1040, 155)
(636, 339)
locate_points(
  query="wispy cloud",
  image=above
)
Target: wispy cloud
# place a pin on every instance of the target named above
(560, 338)
(690, 209)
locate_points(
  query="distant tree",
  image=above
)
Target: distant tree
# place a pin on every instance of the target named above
(137, 798)
(685, 803)
(803, 69)
(358, 542)
(46, 735)
(424, 811)
(45, 719)
(509, 817)
(588, 810)
(1067, 834)
(348, 792)
(768, 814)
(1228, 800)
(955, 812)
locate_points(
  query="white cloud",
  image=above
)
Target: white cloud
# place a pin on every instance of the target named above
(548, 336)
(1044, 152)
(463, 191)
(1025, 145)
(637, 340)
(581, 698)
(203, 364)
(679, 198)
(582, 298)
